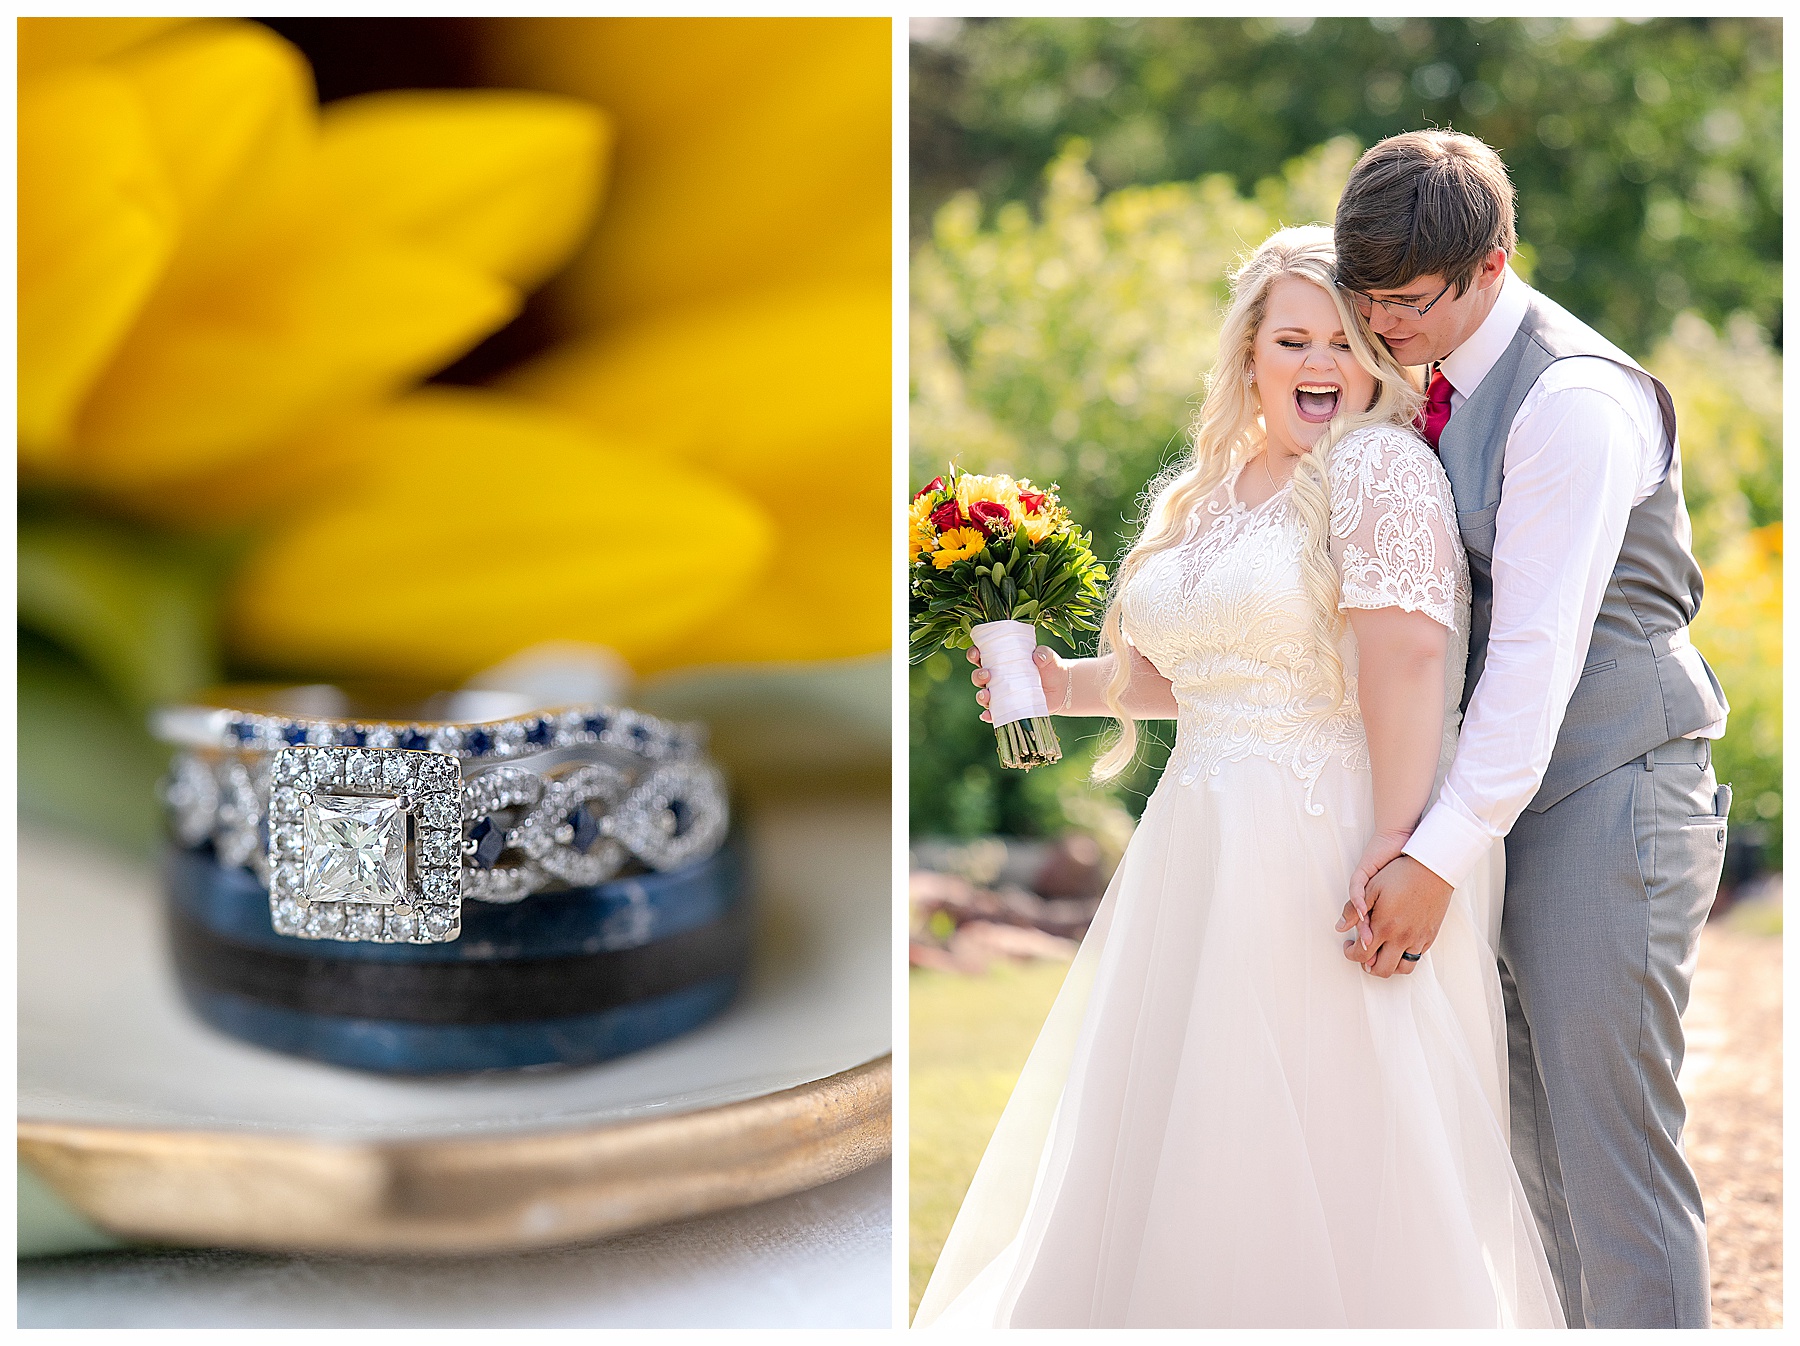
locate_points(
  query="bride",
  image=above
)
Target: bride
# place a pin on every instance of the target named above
(1227, 1121)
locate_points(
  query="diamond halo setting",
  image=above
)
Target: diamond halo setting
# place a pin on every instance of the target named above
(358, 846)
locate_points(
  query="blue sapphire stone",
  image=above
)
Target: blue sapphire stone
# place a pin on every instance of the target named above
(294, 737)
(242, 730)
(489, 842)
(478, 742)
(415, 741)
(587, 828)
(639, 734)
(595, 724)
(356, 738)
(538, 731)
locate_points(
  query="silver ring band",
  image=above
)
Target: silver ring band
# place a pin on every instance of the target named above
(369, 828)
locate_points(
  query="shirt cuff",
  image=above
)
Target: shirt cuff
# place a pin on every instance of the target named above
(1448, 844)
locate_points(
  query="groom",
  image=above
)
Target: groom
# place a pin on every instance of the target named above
(1588, 720)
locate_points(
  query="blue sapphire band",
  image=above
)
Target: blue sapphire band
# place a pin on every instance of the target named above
(361, 834)
(578, 977)
(472, 726)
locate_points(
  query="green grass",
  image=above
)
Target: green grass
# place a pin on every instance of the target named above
(970, 1038)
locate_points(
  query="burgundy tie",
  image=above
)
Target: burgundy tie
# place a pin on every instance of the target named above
(1437, 409)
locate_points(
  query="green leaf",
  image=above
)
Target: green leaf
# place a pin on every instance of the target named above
(991, 606)
(86, 764)
(136, 607)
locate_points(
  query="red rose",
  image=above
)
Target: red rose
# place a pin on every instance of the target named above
(935, 484)
(1032, 500)
(946, 515)
(990, 516)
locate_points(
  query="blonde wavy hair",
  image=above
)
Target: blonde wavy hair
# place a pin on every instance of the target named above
(1228, 430)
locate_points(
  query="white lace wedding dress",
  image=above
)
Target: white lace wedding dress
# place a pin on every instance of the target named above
(1225, 1122)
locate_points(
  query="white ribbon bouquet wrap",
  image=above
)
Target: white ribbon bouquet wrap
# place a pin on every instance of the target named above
(1016, 693)
(991, 561)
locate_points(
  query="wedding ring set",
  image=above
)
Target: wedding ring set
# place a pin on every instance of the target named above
(371, 823)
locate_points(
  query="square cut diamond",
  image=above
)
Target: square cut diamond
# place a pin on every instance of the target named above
(355, 849)
(347, 861)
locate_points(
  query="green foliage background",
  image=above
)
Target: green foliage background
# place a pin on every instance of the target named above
(1647, 154)
(1081, 187)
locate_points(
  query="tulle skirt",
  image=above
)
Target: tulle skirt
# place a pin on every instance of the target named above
(1225, 1122)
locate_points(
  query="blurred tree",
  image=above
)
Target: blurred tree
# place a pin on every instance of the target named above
(1647, 153)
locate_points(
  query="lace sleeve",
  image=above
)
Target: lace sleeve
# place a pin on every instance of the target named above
(1393, 525)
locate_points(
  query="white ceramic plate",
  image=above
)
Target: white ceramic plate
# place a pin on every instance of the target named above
(106, 1048)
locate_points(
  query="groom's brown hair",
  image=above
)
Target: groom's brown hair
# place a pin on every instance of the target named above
(1424, 203)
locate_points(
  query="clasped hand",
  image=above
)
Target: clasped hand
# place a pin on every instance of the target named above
(1396, 906)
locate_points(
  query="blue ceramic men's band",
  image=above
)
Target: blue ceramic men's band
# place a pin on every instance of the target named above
(617, 914)
(570, 978)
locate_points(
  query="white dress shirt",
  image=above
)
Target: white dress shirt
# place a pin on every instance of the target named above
(1586, 446)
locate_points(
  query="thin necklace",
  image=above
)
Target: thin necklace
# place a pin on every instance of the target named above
(1269, 472)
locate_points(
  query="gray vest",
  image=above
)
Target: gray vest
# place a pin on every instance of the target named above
(1643, 683)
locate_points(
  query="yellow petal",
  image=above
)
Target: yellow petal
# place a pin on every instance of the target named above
(506, 182)
(209, 376)
(231, 111)
(97, 222)
(750, 150)
(458, 527)
(767, 392)
(827, 594)
(47, 43)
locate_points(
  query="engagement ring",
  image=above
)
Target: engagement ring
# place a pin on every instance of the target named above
(373, 823)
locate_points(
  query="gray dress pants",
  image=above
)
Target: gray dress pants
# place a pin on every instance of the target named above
(1606, 893)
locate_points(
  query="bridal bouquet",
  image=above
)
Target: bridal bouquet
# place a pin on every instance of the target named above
(990, 559)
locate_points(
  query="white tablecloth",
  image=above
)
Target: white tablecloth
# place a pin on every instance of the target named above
(816, 1259)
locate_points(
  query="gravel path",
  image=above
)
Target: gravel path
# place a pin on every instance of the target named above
(1732, 1082)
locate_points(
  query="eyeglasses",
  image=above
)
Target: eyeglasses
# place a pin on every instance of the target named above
(1365, 303)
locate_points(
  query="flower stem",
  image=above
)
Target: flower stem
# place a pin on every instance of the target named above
(1027, 743)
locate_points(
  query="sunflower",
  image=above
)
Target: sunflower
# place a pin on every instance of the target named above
(957, 544)
(920, 534)
(228, 295)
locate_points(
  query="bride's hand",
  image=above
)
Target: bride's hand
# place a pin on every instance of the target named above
(1053, 671)
(1383, 848)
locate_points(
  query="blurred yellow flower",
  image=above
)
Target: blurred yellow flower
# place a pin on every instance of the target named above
(560, 534)
(753, 154)
(763, 391)
(957, 544)
(733, 309)
(1037, 527)
(224, 290)
(1739, 632)
(206, 263)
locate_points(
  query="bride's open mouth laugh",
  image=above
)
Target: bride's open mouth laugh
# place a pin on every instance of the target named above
(1317, 403)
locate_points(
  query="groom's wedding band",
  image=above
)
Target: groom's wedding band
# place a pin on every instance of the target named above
(374, 822)
(1411, 957)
